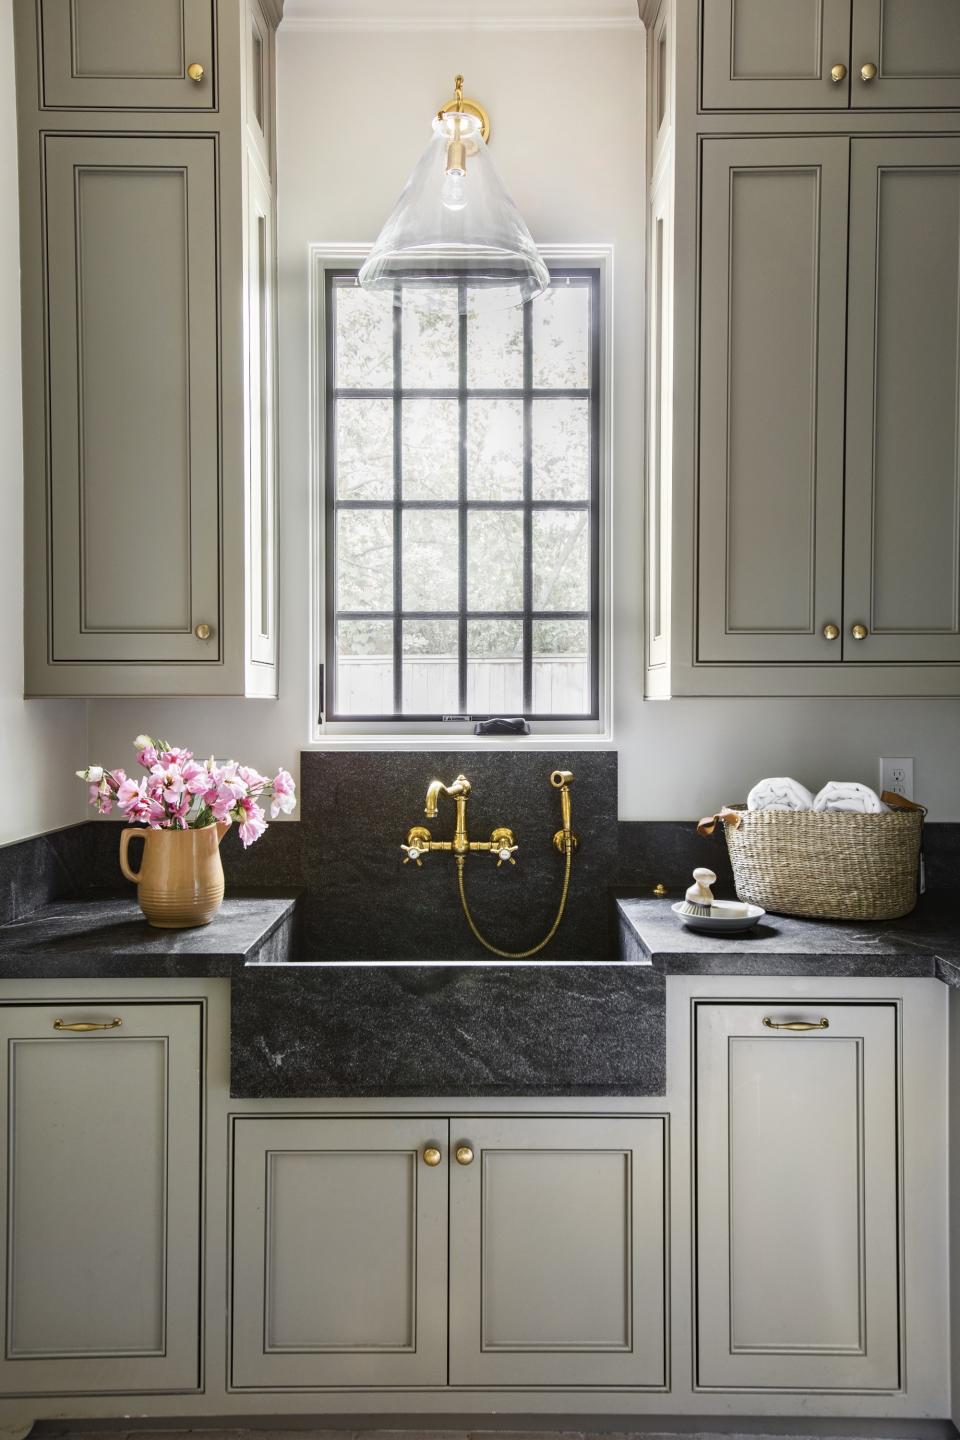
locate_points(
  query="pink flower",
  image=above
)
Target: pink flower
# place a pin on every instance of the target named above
(284, 794)
(129, 794)
(253, 824)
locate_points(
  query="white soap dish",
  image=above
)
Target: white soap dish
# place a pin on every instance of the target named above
(716, 922)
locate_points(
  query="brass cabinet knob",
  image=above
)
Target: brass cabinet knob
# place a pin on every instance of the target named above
(464, 1155)
(868, 72)
(831, 631)
(838, 73)
(859, 632)
(202, 631)
(195, 72)
(432, 1156)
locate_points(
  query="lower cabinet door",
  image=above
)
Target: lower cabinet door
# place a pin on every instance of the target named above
(557, 1252)
(796, 1134)
(100, 1125)
(339, 1253)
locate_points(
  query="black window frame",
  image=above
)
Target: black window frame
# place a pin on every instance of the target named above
(335, 276)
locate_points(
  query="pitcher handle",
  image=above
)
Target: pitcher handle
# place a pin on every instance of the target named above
(131, 833)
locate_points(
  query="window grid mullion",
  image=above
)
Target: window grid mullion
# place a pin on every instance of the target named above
(397, 497)
(462, 497)
(527, 642)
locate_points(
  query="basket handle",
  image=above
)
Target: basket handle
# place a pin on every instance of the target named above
(900, 802)
(724, 816)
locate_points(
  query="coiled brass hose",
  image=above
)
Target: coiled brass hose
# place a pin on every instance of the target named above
(534, 949)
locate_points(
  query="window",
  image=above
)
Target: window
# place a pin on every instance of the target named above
(462, 487)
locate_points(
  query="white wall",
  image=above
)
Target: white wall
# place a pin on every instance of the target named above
(42, 741)
(567, 113)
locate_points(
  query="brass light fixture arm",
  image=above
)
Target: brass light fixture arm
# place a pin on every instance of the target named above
(462, 106)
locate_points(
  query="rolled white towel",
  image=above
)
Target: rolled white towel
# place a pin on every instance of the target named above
(780, 793)
(841, 795)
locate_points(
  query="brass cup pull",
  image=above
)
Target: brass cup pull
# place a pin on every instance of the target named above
(822, 1024)
(831, 631)
(82, 1026)
(195, 71)
(202, 631)
(868, 72)
(859, 632)
(432, 1156)
(464, 1155)
(838, 73)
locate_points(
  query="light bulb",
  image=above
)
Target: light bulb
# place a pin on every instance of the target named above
(453, 193)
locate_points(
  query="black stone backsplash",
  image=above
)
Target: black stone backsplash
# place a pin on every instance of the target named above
(361, 902)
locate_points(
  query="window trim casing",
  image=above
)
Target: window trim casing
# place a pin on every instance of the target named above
(404, 730)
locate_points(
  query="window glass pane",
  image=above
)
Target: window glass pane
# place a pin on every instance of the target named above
(431, 560)
(365, 560)
(561, 338)
(364, 449)
(495, 349)
(431, 440)
(430, 661)
(495, 667)
(561, 560)
(494, 560)
(430, 347)
(365, 667)
(363, 343)
(561, 667)
(495, 449)
(560, 445)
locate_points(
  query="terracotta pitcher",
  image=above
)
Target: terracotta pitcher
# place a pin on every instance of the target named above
(180, 880)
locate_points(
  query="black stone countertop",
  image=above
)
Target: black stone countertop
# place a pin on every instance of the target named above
(107, 936)
(924, 943)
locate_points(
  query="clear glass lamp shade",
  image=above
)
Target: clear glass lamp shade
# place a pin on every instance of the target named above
(453, 218)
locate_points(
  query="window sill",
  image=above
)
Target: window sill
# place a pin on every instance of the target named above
(343, 737)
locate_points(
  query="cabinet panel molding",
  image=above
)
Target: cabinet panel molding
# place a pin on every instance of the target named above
(775, 54)
(797, 1209)
(339, 1253)
(101, 1145)
(771, 398)
(126, 54)
(557, 1253)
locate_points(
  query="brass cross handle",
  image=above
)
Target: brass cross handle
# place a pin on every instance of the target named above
(502, 846)
(418, 845)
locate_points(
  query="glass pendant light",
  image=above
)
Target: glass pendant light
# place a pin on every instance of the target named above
(453, 218)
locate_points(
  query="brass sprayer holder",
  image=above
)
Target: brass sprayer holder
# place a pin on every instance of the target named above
(501, 845)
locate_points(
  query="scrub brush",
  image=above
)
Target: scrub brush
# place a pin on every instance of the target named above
(699, 898)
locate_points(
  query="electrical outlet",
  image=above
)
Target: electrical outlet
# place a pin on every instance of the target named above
(897, 775)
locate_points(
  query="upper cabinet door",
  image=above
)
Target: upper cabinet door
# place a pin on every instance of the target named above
(911, 51)
(776, 54)
(130, 281)
(774, 240)
(903, 401)
(557, 1245)
(127, 54)
(101, 1146)
(796, 1136)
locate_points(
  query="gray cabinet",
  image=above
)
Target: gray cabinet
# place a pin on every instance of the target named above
(339, 1253)
(772, 326)
(557, 1247)
(127, 54)
(902, 575)
(775, 54)
(101, 1144)
(796, 1145)
(148, 295)
(914, 46)
(130, 280)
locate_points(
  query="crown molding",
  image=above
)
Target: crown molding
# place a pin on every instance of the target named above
(389, 15)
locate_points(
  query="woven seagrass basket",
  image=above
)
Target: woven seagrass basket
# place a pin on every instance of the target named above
(827, 865)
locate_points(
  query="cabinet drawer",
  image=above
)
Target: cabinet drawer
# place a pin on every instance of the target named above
(339, 1253)
(797, 1226)
(126, 54)
(100, 1134)
(557, 1231)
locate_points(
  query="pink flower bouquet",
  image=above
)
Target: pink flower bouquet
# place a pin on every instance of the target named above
(181, 793)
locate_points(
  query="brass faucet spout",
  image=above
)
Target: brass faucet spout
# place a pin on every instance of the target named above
(460, 787)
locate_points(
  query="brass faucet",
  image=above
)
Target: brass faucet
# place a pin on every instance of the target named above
(501, 844)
